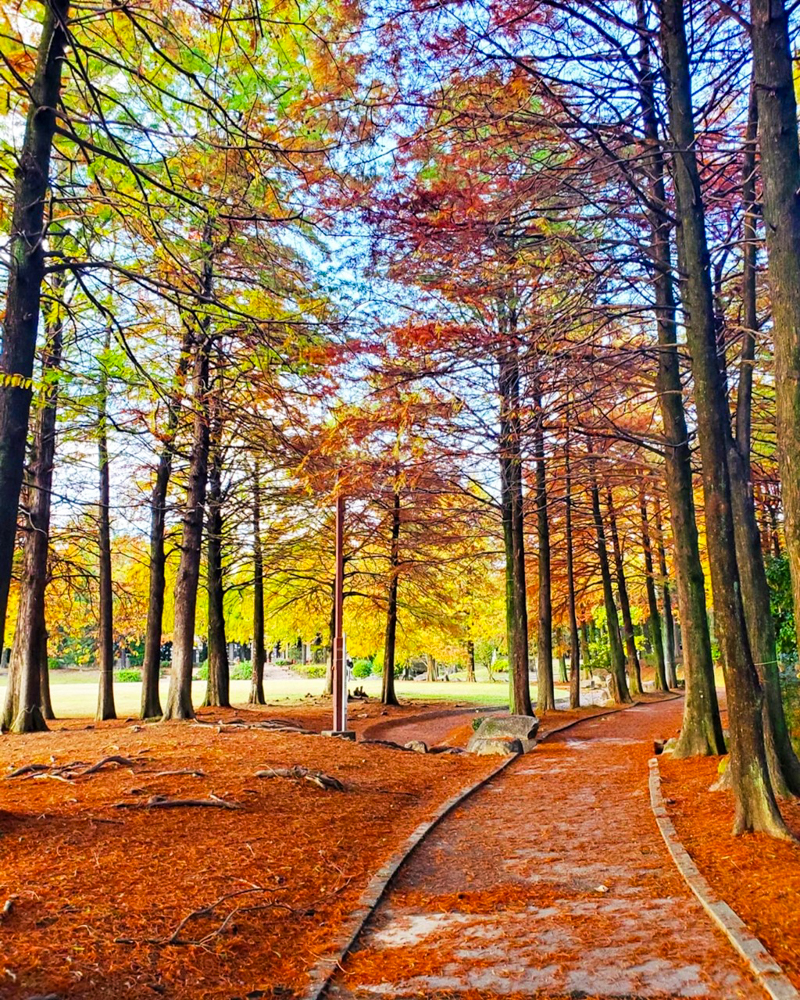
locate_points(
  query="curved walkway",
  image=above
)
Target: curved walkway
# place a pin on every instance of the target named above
(552, 882)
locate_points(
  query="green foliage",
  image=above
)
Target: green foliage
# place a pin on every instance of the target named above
(202, 671)
(242, 671)
(362, 668)
(128, 676)
(53, 663)
(782, 606)
(310, 669)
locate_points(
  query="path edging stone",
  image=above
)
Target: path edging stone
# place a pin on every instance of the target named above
(764, 967)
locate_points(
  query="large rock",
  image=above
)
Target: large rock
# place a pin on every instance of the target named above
(505, 734)
(502, 747)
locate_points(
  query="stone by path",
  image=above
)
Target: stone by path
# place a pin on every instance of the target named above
(552, 882)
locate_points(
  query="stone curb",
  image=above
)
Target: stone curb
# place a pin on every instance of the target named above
(764, 967)
(322, 973)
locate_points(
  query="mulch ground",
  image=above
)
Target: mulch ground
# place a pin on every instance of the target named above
(757, 876)
(100, 889)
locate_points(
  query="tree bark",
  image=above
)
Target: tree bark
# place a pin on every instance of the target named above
(151, 666)
(105, 638)
(574, 636)
(666, 603)
(259, 655)
(773, 74)
(632, 657)
(30, 649)
(784, 766)
(470, 661)
(619, 684)
(513, 530)
(218, 687)
(545, 688)
(179, 698)
(756, 808)
(702, 729)
(25, 277)
(388, 696)
(652, 599)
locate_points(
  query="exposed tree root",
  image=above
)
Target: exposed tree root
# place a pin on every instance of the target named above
(68, 772)
(162, 802)
(207, 911)
(298, 773)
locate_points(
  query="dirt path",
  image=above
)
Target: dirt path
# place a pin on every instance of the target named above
(553, 882)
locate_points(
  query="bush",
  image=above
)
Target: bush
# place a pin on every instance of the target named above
(128, 676)
(362, 668)
(241, 671)
(201, 673)
(310, 669)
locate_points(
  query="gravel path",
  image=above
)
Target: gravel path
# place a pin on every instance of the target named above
(553, 882)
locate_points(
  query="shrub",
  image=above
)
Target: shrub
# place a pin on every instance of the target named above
(128, 676)
(201, 673)
(310, 669)
(241, 671)
(362, 668)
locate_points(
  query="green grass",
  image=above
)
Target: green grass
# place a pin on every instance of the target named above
(74, 693)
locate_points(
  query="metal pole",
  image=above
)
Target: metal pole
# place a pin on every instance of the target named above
(339, 688)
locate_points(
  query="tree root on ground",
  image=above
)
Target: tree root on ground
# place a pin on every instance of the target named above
(208, 911)
(298, 773)
(69, 772)
(162, 802)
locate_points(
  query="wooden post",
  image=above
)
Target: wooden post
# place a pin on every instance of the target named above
(339, 665)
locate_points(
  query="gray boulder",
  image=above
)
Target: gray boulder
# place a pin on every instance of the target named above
(505, 734)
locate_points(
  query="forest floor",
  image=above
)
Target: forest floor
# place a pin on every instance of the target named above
(551, 879)
(98, 888)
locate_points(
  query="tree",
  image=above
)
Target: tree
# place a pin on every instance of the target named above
(756, 808)
(26, 274)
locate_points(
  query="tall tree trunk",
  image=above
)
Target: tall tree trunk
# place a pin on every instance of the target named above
(151, 666)
(668, 617)
(634, 670)
(619, 684)
(388, 696)
(546, 697)
(26, 274)
(30, 647)
(513, 530)
(470, 661)
(257, 696)
(756, 808)
(773, 73)
(574, 636)
(218, 689)
(652, 599)
(105, 638)
(701, 732)
(179, 697)
(783, 763)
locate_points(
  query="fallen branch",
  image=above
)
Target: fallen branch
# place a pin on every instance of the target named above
(298, 773)
(162, 802)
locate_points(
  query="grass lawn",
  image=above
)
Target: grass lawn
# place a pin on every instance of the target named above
(74, 693)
